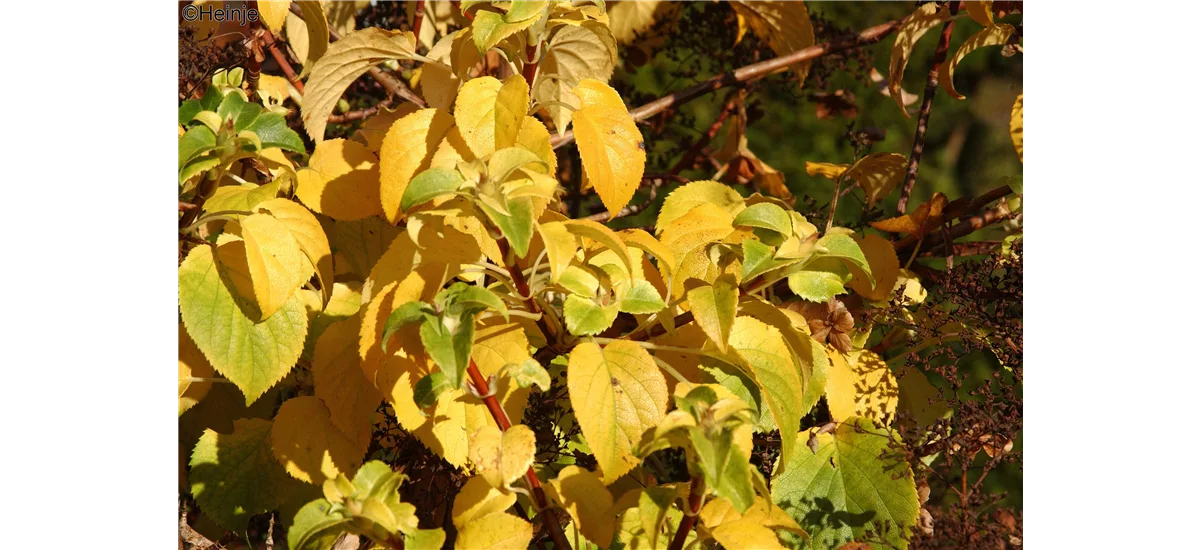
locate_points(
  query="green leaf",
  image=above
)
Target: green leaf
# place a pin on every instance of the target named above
(235, 476)
(843, 246)
(641, 298)
(726, 469)
(201, 164)
(407, 313)
(195, 142)
(766, 216)
(211, 100)
(504, 161)
(489, 28)
(714, 307)
(758, 259)
(273, 131)
(820, 280)
(429, 388)
(242, 112)
(187, 110)
(450, 346)
(425, 539)
(254, 356)
(528, 373)
(429, 185)
(855, 479)
(317, 526)
(463, 299)
(517, 225)
(586, 317)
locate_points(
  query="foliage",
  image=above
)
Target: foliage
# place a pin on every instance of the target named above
(733, 374)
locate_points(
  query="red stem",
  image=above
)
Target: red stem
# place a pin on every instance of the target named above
(689, 519)
(530, 69)
(268, 39)
(418, 17)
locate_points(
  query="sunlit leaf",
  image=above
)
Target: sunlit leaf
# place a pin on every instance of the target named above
(502, 457)
(926, 16)
(342, 64)
(995, 35)
(1016, 127)
(235, 476)
(610, 144)
(587, 501)
(341, 181)
(308, 445)
(489, 113)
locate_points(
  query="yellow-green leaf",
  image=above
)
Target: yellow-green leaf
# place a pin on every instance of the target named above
(230, 490)
(341, 181)
(489, 113)
(277, 266)
(861, 385)
(490, 28)
(273, 12)
(911, 29)
(252, 355)
(715, 307)
(499, 531)
(618, 393)
(477, 499)
(704, 224)
(408, 149)
(309, 446)
(683, 199)
(1016, 127)
(583, 495)
(502, 457)
(995, 35)
(560, 245)
(602, 235)
(610, 144)
(309, 234)
(769, 359)
(345, 61)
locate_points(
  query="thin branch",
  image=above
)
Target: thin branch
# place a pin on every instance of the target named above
(689, 158)
(418, 16)
(360, 114)
(632, 209)
(549, 519)
(931, 83)
(960, 208)
(749, 73)
(268, 39)
(695, 498)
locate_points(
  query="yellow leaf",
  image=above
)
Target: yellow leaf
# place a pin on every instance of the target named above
(701, 225)
(604, 236)
(560, 245)
(277, 266)
(307, 444)
(714, 307)
(339, 380)
(1016, 127)
(630, 20)
(360, 244)
(192, 364)
(825, 169)
(273, 12)
(342, 181)
(502, 457)
(535, 137)
(911, 29)
(765, 354)
(610, 144)
(921, 221)
(309, 234)
(342, 64)
(686, 197)
(861, 385)
(582, 494)
(687, 364)
(477, 499)
(637, 238)
(374, 129)
(996, 35)
(878, 174)
(785, 27)
(981, 12)
(885, 267)
(309, 35)
(407, 149)
(575, 53)
(497, 344)
(499, 531)
(489, 113)
(617, 393)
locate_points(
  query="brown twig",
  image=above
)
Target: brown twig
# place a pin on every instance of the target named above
(968, 226)
(655, 183)
(549, 519)
(360, 114)
(931, 83)
(254, 63)
(393, 85)
(418, 16)
(688, 158)
(749, 73)
(695, 497)
(956, 209)
(268, 39)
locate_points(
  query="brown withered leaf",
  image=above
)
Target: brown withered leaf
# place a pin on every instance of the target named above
(829, 322)
(919, 222)
(840, 103)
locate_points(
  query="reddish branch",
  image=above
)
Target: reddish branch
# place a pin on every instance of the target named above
(931, 83)
(418, 16)
(968, 225)
(695, 497)
(535, 487)
(749, 73)
(268, 39)
(530, 68)
(360, 114)
(689, 157)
